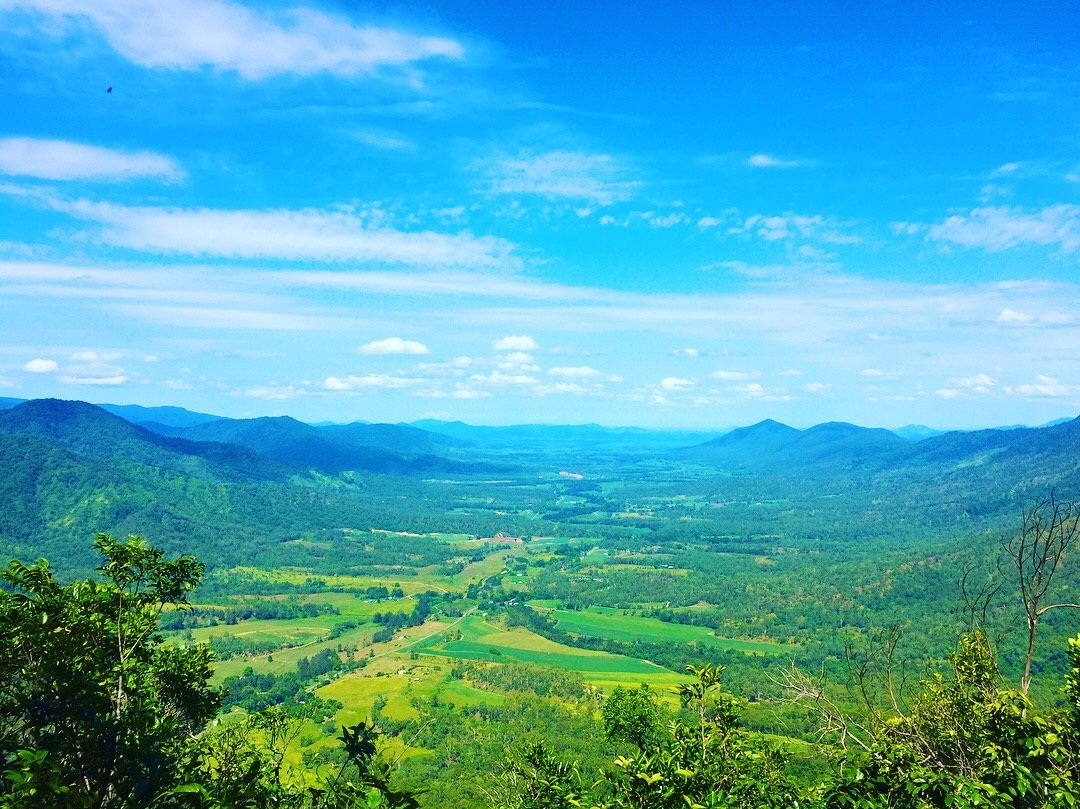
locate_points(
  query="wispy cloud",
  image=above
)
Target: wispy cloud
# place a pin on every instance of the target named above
(768, 161)
(1001, 228)
(575, 372)
(1044, 387)
(384, 139)
(978, 383)
(64, 160)
(371, 382)
(253, 43)
(322, 235)
(597, 178)
(774, 227)
(735, 376)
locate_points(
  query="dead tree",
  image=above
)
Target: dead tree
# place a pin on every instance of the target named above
(1049, 529)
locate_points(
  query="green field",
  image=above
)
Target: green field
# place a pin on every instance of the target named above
(611, 624)
(483, 641)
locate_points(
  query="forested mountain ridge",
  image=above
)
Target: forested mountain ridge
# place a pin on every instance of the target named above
(843, 449)
(71, 468)
(89, 432)
(166, 415)
(384, 448)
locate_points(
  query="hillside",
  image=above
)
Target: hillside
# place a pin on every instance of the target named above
(90, 433)
(980, 457)
(383, 448)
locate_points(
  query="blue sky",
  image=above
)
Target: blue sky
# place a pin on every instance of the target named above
(678, 214)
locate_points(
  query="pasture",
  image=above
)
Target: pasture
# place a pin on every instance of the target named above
(481, 640)
(612, 624)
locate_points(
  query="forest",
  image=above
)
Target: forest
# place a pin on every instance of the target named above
(534, 617)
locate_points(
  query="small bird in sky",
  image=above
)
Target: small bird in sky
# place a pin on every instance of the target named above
(109, 90)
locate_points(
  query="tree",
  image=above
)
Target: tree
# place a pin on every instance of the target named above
(631, 715)
(708, 763)
(968, 741)
(95, 710)
(1049, 529)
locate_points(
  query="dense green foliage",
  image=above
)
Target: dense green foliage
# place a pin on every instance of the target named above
(94, 707)
(96, 711)
(967, 741)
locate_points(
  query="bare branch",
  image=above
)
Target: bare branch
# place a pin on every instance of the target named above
(1048, 531)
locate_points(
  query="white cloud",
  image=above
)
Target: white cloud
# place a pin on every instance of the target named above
(767, 161)
(1045, 318)
(1000, 228)
(370, 382)
(562, 387)
(791, 372)
(96, 356)
(596, 178)
(515, 358)
(979, 383)
(94, 372)
(1011, 316)
(390, 141)
(273, 392)
(178, 384)
(40, 366)
(515, 343)
(393, 345)
(1045, 387)
(735, 376)
(816, 387)
(74, 379)
(667, 221)
(64, 160)
(686, 352)
(255, 43)
(775, 227)
(579, 372)
(460, 391)
(499, 379)
(676, 383)
(195, 317)
(321, 235)
(752, 389)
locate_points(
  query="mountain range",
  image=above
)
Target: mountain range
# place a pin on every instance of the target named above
(72, 468)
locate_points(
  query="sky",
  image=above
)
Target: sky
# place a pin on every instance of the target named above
(679, 214)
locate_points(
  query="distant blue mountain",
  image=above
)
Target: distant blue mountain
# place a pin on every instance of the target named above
(548, 436)
(166, 416)
(383, 448)
(836, 448)
(772, 447)
(917, 432)
(6, 402)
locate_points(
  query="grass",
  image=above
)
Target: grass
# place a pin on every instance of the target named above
(400, 682)
(296, 638)
(611, 624)
(483, 641)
